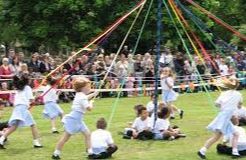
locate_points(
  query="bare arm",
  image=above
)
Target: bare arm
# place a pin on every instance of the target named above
(92, 95)
(168, 84)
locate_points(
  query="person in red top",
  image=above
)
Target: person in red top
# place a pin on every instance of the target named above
(5, 97)
(5, 69)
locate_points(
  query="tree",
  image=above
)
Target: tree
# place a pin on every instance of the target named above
(57, 24)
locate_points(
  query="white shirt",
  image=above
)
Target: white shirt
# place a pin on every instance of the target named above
(229, 100)
(169, 59)
(164, 82)
(50, 94)
(161, 125)
(101, 139)
(241, 112)
(140, 124)
(223, 69)
(80, 102)
(24, 96)
(150, 106)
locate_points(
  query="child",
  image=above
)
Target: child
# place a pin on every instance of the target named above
(102, 142)
(228, 102)
(21, 116)
(224, 149)
(51, 109)
(5, 97)
(73, 122)
(141, 125)
(168, 94)
(162, 129)
(150, 105)
(130, 84)
(137, 108)
(241, 115)
(129, 130)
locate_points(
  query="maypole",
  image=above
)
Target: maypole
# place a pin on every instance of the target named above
(158, 50)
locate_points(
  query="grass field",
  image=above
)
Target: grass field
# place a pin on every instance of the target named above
(198, 113)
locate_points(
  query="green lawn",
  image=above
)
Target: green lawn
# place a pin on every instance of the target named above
(198, 113)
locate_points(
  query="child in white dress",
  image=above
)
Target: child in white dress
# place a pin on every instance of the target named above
(51, 109)
(168, 94)
(21, 116)
(102, 142)
(73, 122)
(228, 102)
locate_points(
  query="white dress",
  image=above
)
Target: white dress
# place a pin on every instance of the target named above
(73, 122)
(228, 101)
(51, 108)
(168, 94)
(21, 116)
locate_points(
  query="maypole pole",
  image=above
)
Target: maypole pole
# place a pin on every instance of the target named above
(158, 50)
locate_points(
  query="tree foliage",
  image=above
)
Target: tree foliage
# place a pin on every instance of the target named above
(66, 24)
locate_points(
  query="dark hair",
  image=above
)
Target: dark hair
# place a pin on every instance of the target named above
(138, 107)
(152, 95)
(101, 123)
(164, 113)
(50, 80)
(140, 111)
(20, 82)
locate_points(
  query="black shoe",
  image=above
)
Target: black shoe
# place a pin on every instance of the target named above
(55, 157)
(235, 156)
(55, 132)
(37, 146)
(201, 155)
(94, 156)
(2, 146)
(181, 114)
(126, 137)
(172, 117)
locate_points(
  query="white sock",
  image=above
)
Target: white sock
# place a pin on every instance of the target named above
(36, 142)
(235, 151)
(172, 115)
(54, 129)
(57, 152)
(2, 138)
(179, 111)
(90, 151)
(203, 150)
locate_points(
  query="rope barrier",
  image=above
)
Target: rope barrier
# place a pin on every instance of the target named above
(119, 89)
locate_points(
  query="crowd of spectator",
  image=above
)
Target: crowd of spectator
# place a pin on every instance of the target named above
(129, 69)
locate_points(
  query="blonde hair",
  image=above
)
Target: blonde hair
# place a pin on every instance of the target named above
(231, 83)
(170, 74)
(24, 67)
(80, 83)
